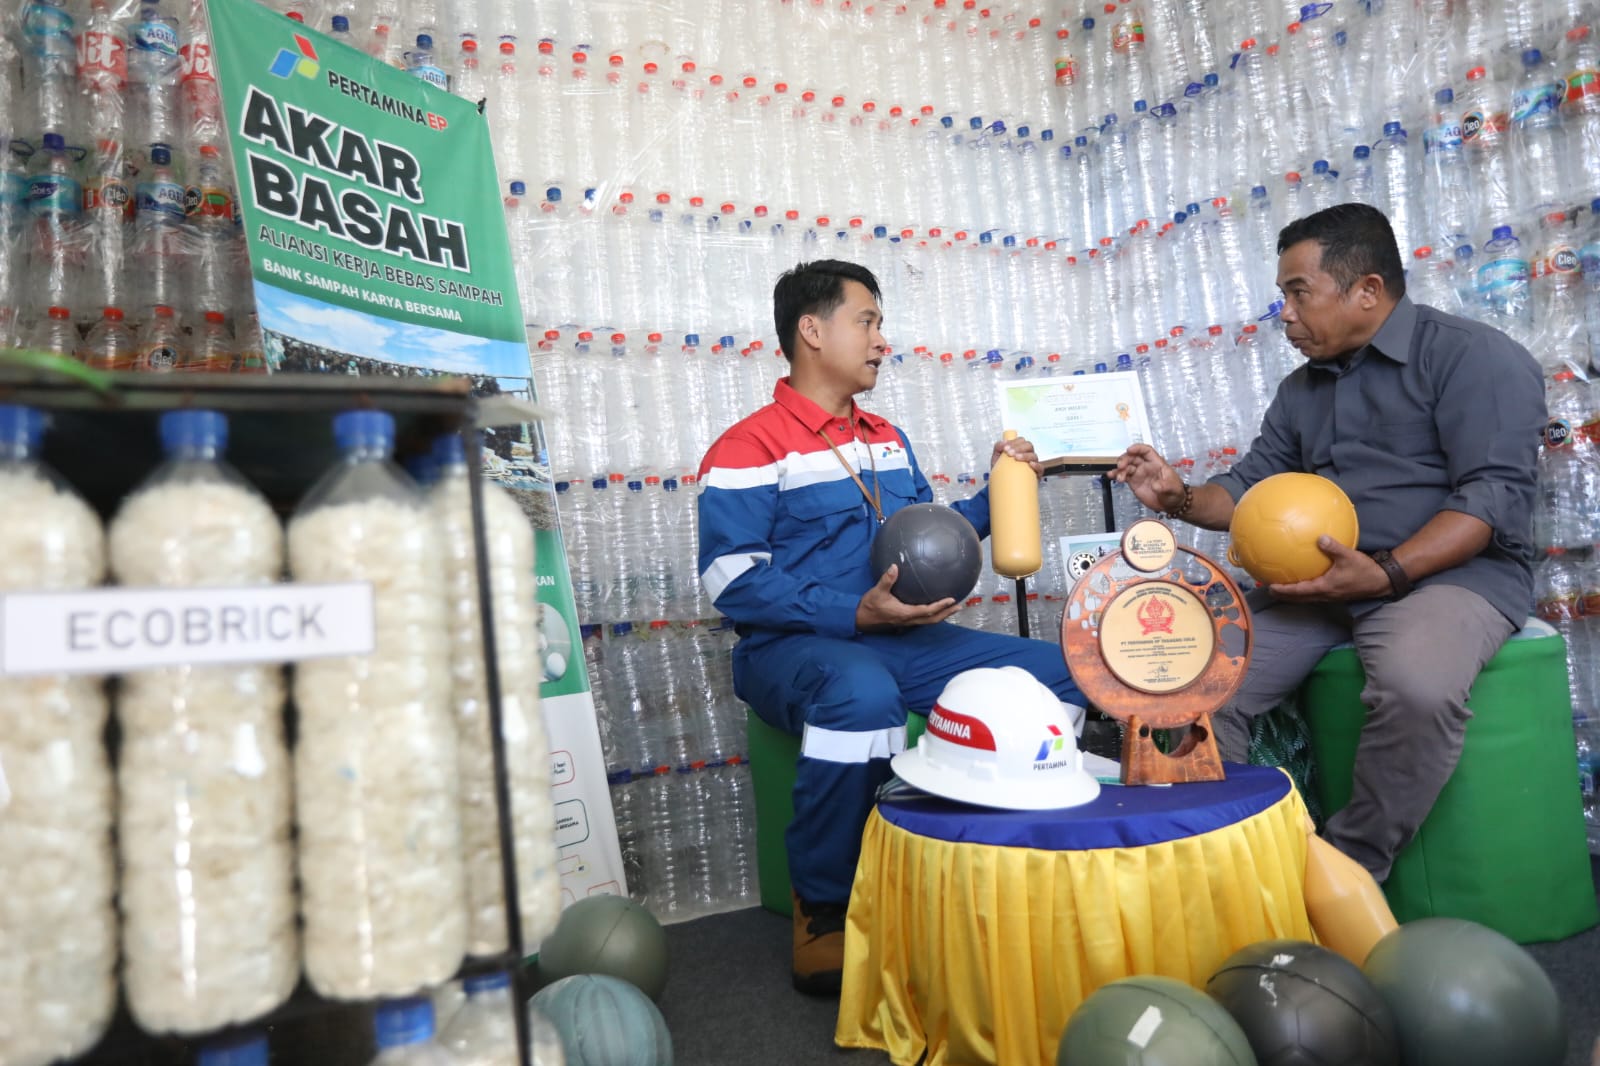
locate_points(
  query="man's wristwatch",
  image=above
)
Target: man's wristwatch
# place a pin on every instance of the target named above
(1399, 583)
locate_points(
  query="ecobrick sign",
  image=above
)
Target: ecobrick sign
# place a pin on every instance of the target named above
(109, 631)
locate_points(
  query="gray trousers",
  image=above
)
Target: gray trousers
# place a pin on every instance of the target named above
(1421, 655)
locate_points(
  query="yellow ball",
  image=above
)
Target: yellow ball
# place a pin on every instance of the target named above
(1277, 522)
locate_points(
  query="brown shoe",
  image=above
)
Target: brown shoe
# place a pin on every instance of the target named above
(818, 947)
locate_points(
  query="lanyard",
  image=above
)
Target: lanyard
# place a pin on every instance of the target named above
(875, 497)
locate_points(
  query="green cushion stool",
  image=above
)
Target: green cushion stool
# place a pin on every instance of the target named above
(1504, 845)
(773, 755)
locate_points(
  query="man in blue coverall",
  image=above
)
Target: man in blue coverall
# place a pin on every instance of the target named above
(790, 500)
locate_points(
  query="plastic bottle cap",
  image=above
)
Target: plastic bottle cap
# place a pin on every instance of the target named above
(402, 1021)
(60, 314)
(1475, 73)
(363, 429)
(1391, 129)
(160, 154)
(240, 1051)
(1320, 166)
(1502, 233)
(726, 341)
(1446, 96)
(1362, 151)
(341, 24)
(448, 450)
(1532, 57)
(424, 41)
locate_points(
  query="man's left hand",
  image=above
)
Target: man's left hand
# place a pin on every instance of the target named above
(1353, 576)
(1020, 450)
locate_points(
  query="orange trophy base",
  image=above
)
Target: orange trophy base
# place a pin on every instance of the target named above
(1196, 759)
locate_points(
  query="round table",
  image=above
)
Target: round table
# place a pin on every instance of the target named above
(973, 934)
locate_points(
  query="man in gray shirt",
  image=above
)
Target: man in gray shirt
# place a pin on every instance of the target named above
(1430, 423)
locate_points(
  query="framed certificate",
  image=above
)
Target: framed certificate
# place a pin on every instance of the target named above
(1084, 420)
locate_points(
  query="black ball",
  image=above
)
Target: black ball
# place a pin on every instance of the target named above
(937, 550)
(1464, 995)
(1302, 1005)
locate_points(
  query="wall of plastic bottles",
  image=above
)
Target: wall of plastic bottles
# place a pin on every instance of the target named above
(1041, 189)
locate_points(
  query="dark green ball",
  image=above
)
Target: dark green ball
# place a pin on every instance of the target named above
(1464, 995)
(1152, 1021)
(607, 935)
(605, 1021)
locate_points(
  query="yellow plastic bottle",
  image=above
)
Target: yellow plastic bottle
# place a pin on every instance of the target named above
(1014, 517)
(1347, 909)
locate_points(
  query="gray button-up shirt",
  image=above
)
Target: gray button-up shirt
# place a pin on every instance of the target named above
(1436, 413)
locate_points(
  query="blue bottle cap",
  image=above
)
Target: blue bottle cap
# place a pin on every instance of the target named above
(993, 356)
(562, 486)
(880, 231)
(1101, 368)
(54, 142)
(1022, 131)
(1212, 80)
(20, 426)
(986, 238)
(1503, 233)
(1319, 167)
(1088, 24)
(1532, 57)
(692, 339)
(1445, 96)
(947, 121)
(1463, 251)
(160, 154)
(726, 341)
(998, 127)
(364, 429)
(975, 123)
(1362, 151)
(1080, 141)
(341, 24)
(248, 1050)
(1180, 218)
(1139, 106)
(1194, 88)
(621, 629)
(553, 194)
(186, 430)
(518, 189)
(1167, 111)
(1258, 192)
(669, 484)
(1191, 210)
(486, 982)
(1009, 241)
(424, 41)
(600, 482)
(1390, 129)
(403, 1021)
(1109, 120)
(1308, 11)
(1124, 362)
(1047, 135)
(449, 451)
(1594, 206)
(1340, 38)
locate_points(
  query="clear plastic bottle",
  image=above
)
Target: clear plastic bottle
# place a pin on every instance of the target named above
(403, 1032)
(1485, 138)
(154, 68)
(58, 987)
(1557, 291)
(200, 99)
(162, 344)
(376, 779)
(1541, 147)
(110, 345)
(514, 600)
(1503, 280)
(422, 63)
(53, 333)
(1580, 112)
(55, 204)
(212, 352)
(1360, 181)
(469, 82)
(207, 889)
(1446, 178)
(161, 246)
(484, 1031)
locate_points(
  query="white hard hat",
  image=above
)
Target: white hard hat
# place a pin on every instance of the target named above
(1000, 738)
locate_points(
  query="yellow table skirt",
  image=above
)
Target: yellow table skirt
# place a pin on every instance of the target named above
(979, 954)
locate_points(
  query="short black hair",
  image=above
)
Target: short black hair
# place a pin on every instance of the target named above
(814, 288)
(1356, 240)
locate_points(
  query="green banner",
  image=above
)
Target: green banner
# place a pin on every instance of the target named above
(370, 204)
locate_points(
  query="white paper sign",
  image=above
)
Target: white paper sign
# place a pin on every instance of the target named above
(1083, 418)
(114, 630)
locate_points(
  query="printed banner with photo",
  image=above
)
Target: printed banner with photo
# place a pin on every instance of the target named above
(378, 247)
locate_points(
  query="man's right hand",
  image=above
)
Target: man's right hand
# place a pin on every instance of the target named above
(879, 609)
(1152, 478)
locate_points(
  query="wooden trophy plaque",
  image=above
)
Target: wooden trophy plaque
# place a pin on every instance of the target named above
(1158, 637)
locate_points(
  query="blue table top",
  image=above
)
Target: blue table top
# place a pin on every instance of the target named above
(1120, 817)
